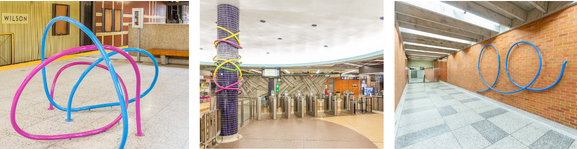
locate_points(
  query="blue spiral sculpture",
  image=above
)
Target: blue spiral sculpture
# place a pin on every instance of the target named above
(507, 69)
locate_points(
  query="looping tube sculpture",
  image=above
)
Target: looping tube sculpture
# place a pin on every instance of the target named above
(117, 81)
(229, 87)
(507, 69)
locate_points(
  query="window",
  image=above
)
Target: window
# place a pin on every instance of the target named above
(111, 20)
(60, 27)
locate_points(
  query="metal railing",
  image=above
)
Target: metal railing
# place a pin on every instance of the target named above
(246, 110)
(209, 127)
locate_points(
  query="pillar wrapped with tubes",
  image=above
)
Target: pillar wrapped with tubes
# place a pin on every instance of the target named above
(227, 74)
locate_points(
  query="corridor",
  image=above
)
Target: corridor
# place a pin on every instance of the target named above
(440, 115)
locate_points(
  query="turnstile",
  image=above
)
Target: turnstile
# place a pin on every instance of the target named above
(345, 101)
(311, 105)
(299, 109)
(273, 105)
(352, 107)
(286, 106)
(331, 103)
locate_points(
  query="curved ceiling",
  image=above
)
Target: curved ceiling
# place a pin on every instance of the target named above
(348, 28)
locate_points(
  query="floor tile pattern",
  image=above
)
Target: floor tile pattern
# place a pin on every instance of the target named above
(443, 116)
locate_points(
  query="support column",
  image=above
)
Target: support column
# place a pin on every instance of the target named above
(228, 18)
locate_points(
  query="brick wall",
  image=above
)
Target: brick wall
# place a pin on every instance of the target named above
(401, 75)
(441, 70)
(555, 36)
(154, 12)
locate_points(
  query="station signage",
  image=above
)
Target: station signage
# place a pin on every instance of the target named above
(14, 18)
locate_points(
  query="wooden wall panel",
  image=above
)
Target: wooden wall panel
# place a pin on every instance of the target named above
(28, 37)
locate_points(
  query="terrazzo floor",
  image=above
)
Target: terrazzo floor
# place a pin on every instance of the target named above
(352, 131)
(439, 115)
(164, 110)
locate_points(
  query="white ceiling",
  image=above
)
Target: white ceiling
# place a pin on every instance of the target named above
(348, 27)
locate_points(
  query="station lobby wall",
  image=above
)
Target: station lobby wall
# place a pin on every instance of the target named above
(401, 69)
(556, 37)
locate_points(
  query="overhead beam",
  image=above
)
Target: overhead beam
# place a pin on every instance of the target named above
(407, 37)
(474, 8)
(541, 5)
(417, 12)
(510, 9)
(408, 46)
(434, 31)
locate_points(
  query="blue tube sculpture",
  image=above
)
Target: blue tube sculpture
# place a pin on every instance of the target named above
(507, 69)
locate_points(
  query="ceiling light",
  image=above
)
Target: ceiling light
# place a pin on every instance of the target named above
(255, 70)
(421, 33)
(426, 51)
(431, 46)
(353, 64)
(318, 71)
(287, 71)
(349, 71)
(422, 55)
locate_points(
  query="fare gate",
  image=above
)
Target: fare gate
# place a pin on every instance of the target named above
(331, 104)
(299, 109)
(273, 105)
(352, 107)
(286, 106)
(311, 105)
(345, 102)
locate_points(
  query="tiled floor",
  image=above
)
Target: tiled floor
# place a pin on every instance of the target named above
(307, 132)
(417, 80)
(164, 110)
(438, 115)
(324, 131)
(368, 125)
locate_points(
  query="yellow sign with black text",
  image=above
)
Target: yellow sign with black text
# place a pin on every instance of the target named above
(14, 18)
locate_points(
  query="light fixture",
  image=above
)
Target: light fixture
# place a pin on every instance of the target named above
(318, 71)
(353, 64)
(431, 46)
(426, 51)
(255, 71)
(349, 71)
(287, 71)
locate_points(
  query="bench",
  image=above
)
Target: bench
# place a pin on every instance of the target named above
(167, 52)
